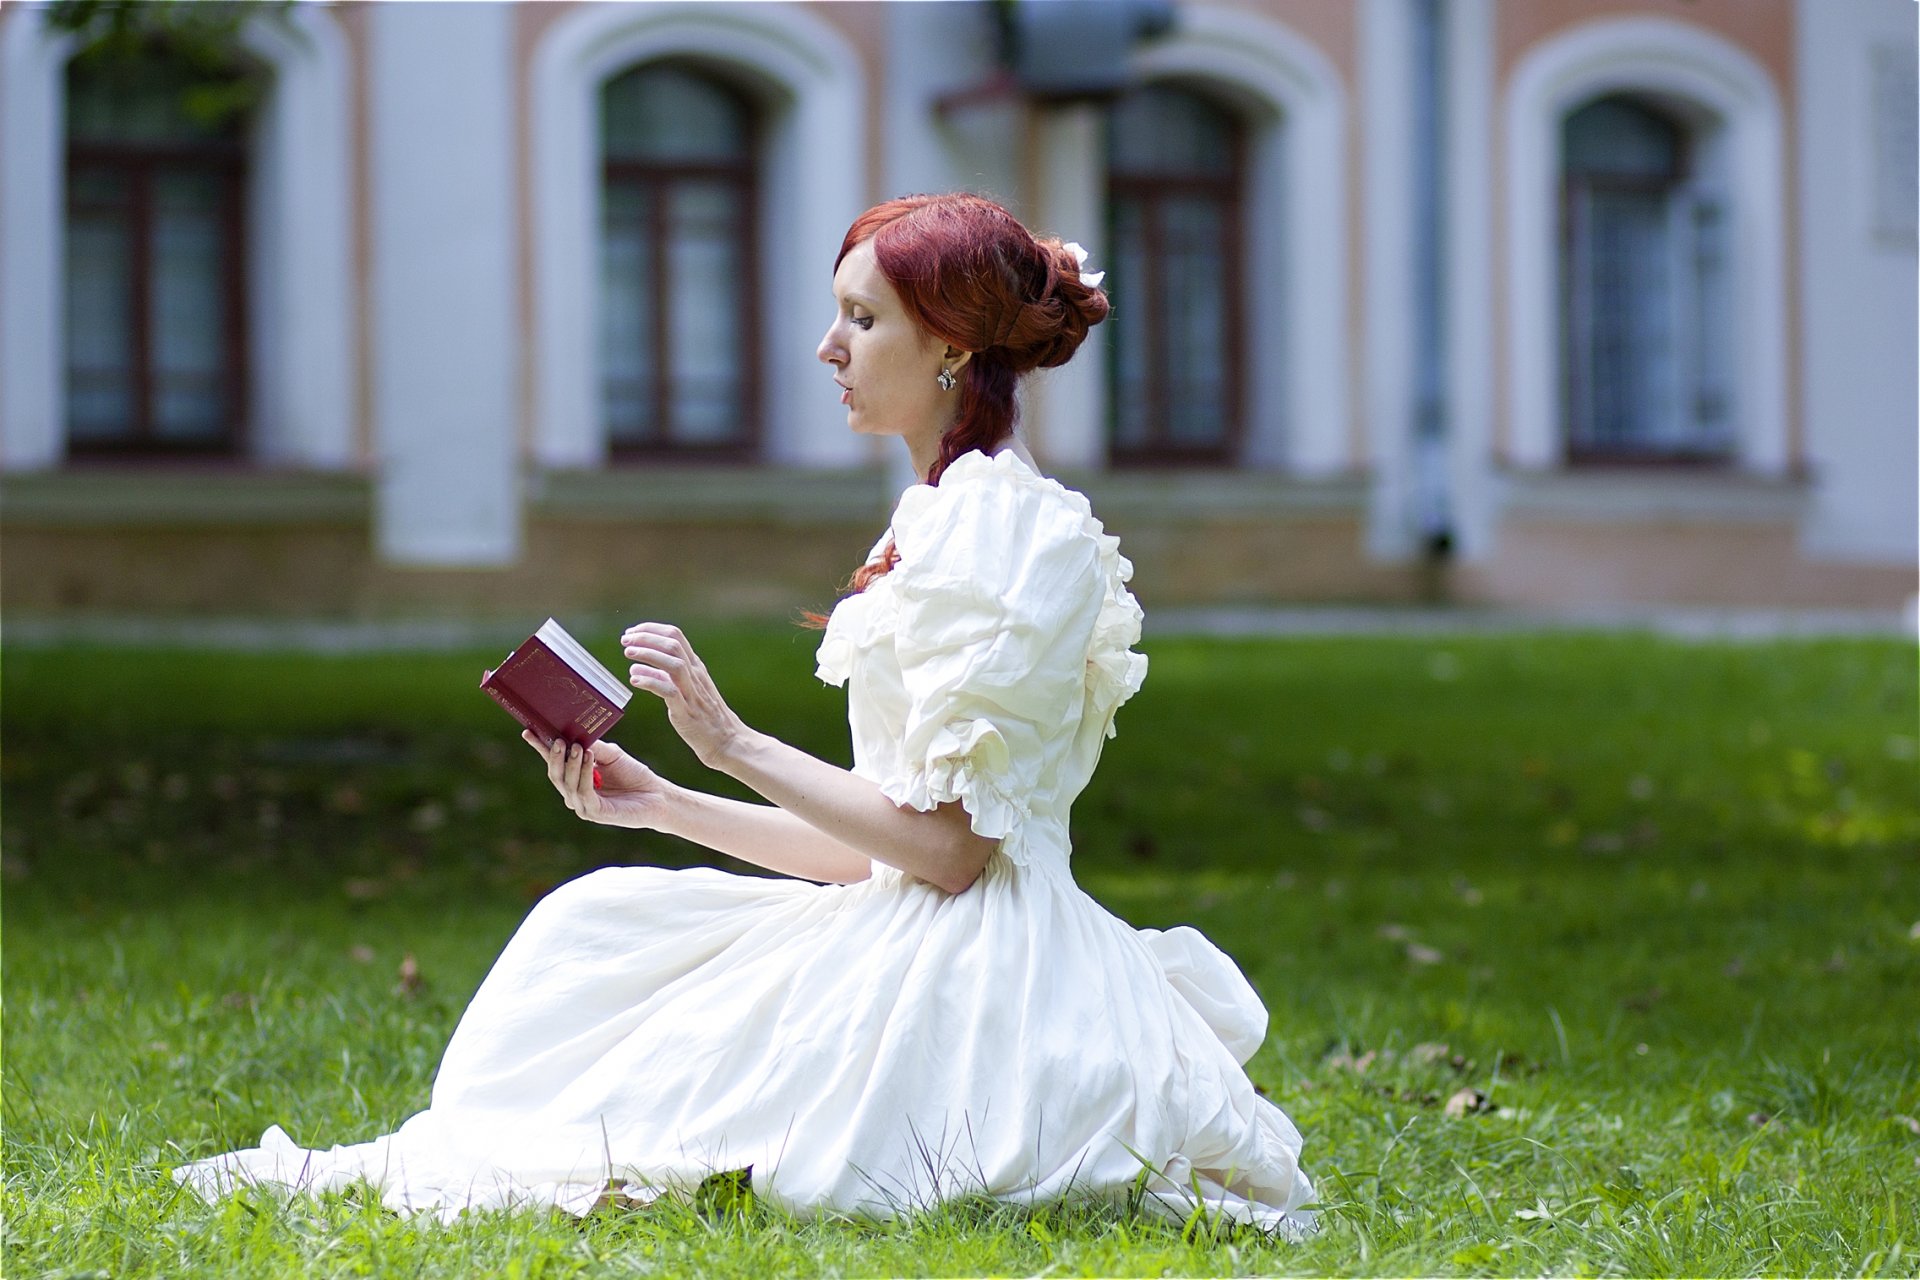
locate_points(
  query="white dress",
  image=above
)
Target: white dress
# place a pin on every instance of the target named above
(874, 1047)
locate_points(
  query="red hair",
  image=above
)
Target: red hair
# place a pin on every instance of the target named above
(972, 276)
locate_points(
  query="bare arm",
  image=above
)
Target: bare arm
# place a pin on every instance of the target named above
(764, 835)
(938, 845)
(632, 795)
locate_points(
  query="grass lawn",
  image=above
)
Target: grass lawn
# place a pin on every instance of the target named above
(1643, 912)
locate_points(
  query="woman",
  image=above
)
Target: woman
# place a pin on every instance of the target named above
(947, 1013)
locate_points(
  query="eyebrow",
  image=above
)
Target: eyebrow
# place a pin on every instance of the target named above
(862, 299)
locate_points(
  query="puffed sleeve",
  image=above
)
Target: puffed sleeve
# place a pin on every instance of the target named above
(999, 588)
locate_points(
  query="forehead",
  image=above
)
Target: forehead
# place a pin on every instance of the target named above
(859, 274)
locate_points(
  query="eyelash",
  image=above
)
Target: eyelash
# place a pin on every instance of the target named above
(865, 322)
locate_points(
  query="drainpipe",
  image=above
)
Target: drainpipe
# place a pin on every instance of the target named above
(1431, 514)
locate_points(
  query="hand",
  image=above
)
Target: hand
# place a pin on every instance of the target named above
(629, 794)
(666, 665)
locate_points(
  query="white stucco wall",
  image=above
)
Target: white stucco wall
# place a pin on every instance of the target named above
(1467, 255)
(446, 375)
(1857, 289)
(1387, 392)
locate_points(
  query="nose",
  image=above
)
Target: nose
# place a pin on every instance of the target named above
(832, 348)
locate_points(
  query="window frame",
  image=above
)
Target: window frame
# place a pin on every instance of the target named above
(657, 179)
(1151, 191)
(1572, 186)
(140, 164)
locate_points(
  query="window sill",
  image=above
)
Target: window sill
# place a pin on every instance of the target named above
(1202, 493)
(176, 495)
(1684, 494)
(712, 491)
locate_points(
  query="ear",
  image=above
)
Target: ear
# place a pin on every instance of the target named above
(955, 359)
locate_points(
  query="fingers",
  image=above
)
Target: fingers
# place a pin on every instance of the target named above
(575, 781)
(665, 630)
(567, 767)
(671, 645)
(663, 637)
(663, 660)
(557, 769)
(584, 799)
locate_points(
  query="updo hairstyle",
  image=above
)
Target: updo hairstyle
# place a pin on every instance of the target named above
(972, 276)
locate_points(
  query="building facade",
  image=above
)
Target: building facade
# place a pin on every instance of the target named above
(490, 307)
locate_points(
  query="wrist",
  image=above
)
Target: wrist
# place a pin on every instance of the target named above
(671, 810)
(733, 755)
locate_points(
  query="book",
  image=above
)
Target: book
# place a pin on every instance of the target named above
(553, 686)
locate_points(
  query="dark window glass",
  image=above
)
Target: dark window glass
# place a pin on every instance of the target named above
(155, 337)
(677, 292)
(1173, 164)
(1616, 138)
(1644, 280)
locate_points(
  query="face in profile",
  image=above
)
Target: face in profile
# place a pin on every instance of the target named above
(884, 362)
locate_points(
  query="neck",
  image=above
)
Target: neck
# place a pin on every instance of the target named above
(923, 462)
(924, 452)
(923, 446)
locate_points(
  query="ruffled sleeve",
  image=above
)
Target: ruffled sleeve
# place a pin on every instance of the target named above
(851, 626)
(1114, 671)
(999, 589)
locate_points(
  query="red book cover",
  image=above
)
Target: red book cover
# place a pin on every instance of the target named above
(554, 687)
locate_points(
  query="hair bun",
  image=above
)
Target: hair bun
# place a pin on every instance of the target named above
(1051, 327)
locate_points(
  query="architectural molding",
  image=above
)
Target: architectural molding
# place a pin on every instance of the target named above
(299, 270)
(1295, 105)
(86, 498)
(1631, 496)
(1739, 102)
(812, 91)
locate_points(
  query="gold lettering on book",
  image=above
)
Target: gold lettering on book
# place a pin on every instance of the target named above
(594, 719)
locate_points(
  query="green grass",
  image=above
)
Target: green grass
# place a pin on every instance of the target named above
(1655, 901)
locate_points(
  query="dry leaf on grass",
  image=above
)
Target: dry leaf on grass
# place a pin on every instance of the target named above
(363, 888)
(1345, 1061)
(410, 979)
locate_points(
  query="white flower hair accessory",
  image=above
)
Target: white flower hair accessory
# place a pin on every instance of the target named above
(1080, 266)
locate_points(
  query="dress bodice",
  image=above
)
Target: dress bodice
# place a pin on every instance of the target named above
(988, 665)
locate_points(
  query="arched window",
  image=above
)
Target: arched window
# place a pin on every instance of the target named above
(1644, 320)
(156, 347)
(1173, 197)
(677, 323)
